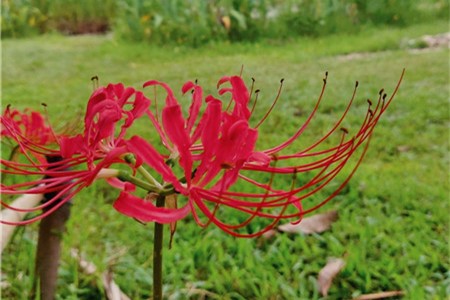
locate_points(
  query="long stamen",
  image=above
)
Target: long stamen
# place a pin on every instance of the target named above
(255, 102)
(305, 125)
(273, 104)
(94, 80)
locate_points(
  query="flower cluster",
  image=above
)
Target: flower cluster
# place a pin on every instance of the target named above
(208, 157)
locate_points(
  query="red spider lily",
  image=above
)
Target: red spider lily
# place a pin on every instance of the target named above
(29, 124)
(208, 156)
(107, 107)
(26, 130)
(219, 152)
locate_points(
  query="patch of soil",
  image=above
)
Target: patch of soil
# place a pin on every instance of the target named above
(440, 40)
(83, 27)
(424, 43)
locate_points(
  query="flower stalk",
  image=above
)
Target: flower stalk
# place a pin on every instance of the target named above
(158, 254)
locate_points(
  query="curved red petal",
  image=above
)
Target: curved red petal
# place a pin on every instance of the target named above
(146, 211)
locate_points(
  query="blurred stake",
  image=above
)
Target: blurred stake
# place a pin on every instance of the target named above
(51, 230)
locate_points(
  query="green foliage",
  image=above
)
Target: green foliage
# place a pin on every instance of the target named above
(393, 225)
(75, 17)
(163, 22)
(28, 17)
(22, 18)
(198, 22)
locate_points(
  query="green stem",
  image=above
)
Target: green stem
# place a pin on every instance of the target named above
(130, 159)
(125, 176)
(157, 255)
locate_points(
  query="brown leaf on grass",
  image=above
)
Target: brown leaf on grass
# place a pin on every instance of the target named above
(380, 295)
(403, 148)
(112, 290)
(327, 274)
(315, 224)
(269, 234)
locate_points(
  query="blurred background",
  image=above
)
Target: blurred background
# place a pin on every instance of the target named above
(195, 23)
(393, 226)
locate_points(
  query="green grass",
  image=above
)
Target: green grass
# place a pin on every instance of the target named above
(393, 225)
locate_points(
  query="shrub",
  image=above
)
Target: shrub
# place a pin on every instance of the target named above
(196, 22)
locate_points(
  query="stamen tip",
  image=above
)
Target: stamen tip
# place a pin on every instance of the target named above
(345, 130)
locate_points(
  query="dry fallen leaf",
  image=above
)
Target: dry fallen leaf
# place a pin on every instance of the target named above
(403, 148)
(112, 290)
(269, 234)
(315, 224)
(380, 295)
(327, 274)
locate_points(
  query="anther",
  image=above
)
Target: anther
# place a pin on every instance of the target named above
(94, 80)
(384, 97)
(44, 104)
(345, 130)
(370, 112)
(381, 92)
(356, 84)
(370, 102)
(253, 79)
(257, 91)
(281, 81)
(226, 166)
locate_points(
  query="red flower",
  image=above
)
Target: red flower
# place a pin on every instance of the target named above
(99, 146)
(107, 107)
(27, 130)
(219, 152)
(210, 158)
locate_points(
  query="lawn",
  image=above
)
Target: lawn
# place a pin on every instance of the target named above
(393, 225)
